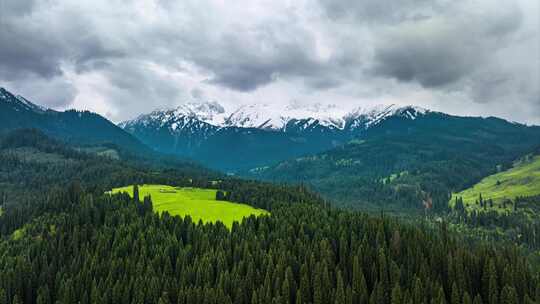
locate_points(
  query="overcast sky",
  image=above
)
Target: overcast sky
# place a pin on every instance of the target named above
(121, 58)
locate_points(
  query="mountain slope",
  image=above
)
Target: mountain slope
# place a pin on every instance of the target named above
(409, 162)
(256, 135)
(33, 163)
(78, 127)
(519, 181)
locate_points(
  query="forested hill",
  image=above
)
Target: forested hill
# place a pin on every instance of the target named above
(33, 164)
(78, 127)
(404, 164)
(79, 245)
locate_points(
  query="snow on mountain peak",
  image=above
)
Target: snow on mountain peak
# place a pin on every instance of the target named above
(30, 105)
(365, 117)
(263, 116)
(200, 115)
(210, 111)
(200, 109)
(276, 117)
(19, 102)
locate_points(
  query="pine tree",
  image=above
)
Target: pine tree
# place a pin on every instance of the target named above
(305, 284)
(359, 286)
(384, 279)
(136, 193)
(489, 282)
(377, 295)
(440, 297)
(418, 291)
(456, 296)
(528, 300)
(299, 297)
(317, 287)
(348, 295)
(477, 299)
(340, 291)
(466, 298)
(286, 291)
(220, 196)
(16, 300)
(164, 299)
(396, 297)
(3, 296)
(254, 298)
(43, 296)
(509, 295)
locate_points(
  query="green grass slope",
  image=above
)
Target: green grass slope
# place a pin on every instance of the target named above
(521, 180)
(199, 204)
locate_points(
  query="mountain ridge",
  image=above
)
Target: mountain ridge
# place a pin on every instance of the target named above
(429, 157)
(72, 126)
(270, 117)
(253, 136)
(257, 134)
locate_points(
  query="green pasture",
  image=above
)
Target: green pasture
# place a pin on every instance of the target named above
(521, 180)
(199, 204)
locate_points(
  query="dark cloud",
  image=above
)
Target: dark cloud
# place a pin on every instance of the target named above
(439, 52)
(249, 58)
(144, 54)
(93, 54)
(25, 49)
(16, 8)
(380, 11)
(430, 65)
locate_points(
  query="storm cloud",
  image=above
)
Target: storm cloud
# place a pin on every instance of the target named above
(122, 58)
(440, 50)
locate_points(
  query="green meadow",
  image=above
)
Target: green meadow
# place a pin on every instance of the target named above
(199, 204)
(521, 180)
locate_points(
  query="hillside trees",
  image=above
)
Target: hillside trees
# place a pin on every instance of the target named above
(109, 249)
(73, 243)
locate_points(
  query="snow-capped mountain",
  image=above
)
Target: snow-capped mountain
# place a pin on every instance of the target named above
(272, 117)
(252, 135)
(203, 117)
(210, 116)
(362, 118)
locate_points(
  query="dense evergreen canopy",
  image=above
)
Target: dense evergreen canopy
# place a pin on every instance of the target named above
(76, 244)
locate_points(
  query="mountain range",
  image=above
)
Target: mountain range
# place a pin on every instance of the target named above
(358, 156)
(287, 118)
(427, 158)
(257, 134)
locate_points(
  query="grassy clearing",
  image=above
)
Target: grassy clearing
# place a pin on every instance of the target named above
(522, 180)
(199, 204)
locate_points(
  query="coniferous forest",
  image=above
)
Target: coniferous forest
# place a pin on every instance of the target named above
(77, 244)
